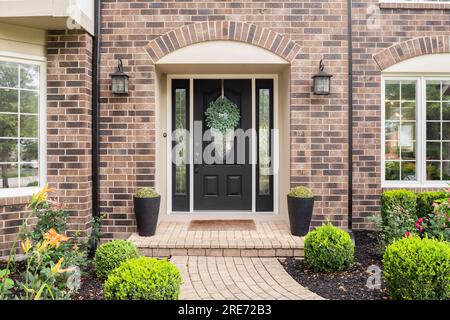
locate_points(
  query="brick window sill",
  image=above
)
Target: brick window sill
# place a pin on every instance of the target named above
(414, 5)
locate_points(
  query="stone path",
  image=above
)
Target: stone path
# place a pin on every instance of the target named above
(238, 278)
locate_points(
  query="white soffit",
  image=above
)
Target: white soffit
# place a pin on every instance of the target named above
(430, 63)
(222, 52)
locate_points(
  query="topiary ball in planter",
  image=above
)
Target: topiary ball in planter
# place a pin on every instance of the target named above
(300, 207)
(111, 254)
(417, 269)
(146, 207)
(328, 249)
(144, 279)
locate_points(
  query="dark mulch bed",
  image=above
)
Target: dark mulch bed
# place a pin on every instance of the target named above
(91, 286)
(347, 285)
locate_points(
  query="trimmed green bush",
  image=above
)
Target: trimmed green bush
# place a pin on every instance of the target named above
(328, 249)
(398, 214)
(417, 269)
(144, 279)
(110, 255)
(301, 192)
(426, 199)
(146, 193)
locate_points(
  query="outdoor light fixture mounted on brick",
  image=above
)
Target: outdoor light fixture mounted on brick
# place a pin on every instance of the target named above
(119, 80)
(321, 81)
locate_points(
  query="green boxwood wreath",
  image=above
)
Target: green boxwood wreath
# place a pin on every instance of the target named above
(222, 115)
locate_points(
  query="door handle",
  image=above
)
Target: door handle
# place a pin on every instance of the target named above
(196, 168)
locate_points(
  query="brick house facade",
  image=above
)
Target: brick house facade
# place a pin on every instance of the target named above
(141, 33)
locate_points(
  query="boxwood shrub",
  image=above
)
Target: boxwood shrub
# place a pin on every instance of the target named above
(328, 249)
(111, 254)
(144, 279)
(417, 269)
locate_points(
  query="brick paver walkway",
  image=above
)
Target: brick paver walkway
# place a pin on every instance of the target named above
(238, 278)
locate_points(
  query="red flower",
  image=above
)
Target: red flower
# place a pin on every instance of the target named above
(407, 234)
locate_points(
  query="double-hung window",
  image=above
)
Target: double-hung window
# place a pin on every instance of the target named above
(22, 167)
(416, 131)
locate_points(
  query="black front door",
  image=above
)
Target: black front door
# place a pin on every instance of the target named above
(226, 185)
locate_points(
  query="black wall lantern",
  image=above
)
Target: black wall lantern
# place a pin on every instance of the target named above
(119, 80)
(321, 82)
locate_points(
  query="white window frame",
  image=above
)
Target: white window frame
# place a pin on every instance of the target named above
(415, 1)
(421, 122)
(42, 63)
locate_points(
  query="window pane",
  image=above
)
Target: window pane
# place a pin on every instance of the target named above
(408, 171)
(433, 111)
(8, 100)
(408, 90)
(9, 74)
(29, 175)
(392, 130)
(408, 111)
(433, 131)
(180, 123)
(434, 90)
(9, 175)
(445, 130)
(8, 125)
(433, 151)
(28, 126)
(392, 110)
(446, 90)
(29, 150)
(445, 150)
(8, 150)
(392, 90)
(392, 151)
(264, 141)
(445, 170)
(392, 170)
(29, 101)
(29, 76)
(433, 171)
(446, 111)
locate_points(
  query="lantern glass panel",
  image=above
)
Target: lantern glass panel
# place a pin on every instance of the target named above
(322, 85)
(118, 84)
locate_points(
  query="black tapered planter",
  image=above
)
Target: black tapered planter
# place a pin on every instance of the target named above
(300, 214)
(147, 211)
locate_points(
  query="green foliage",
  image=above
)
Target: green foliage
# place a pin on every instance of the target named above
(398, 214)
(6, 284)
(146, 193)
(110, 255)
(49, 217)
(222, 115)
(144, 279)
(301, 192)
(426, 199)
(328, 249)
(96, 234)
(417, 269)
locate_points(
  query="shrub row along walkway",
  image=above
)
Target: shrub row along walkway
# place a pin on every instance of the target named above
(234, 278)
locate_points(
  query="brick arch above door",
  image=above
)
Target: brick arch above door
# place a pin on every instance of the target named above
(411, 48)
(222, 30)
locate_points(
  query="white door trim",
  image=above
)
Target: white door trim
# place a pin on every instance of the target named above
(191, 78)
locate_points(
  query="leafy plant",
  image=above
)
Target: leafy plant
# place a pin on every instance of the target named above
(398, 214)
(328, 249)
(146, 193)
(222, 115)
(96, 234)
(417, 269)
(144, 279)
(301, 192)
(111, 254)
(425, 201)
(6, 284)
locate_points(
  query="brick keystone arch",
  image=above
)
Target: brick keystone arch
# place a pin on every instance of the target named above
(222, 30)
(411, 48)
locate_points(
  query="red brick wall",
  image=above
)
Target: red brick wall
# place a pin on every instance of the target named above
(396, 25)
(318, 125)
(69, 71)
